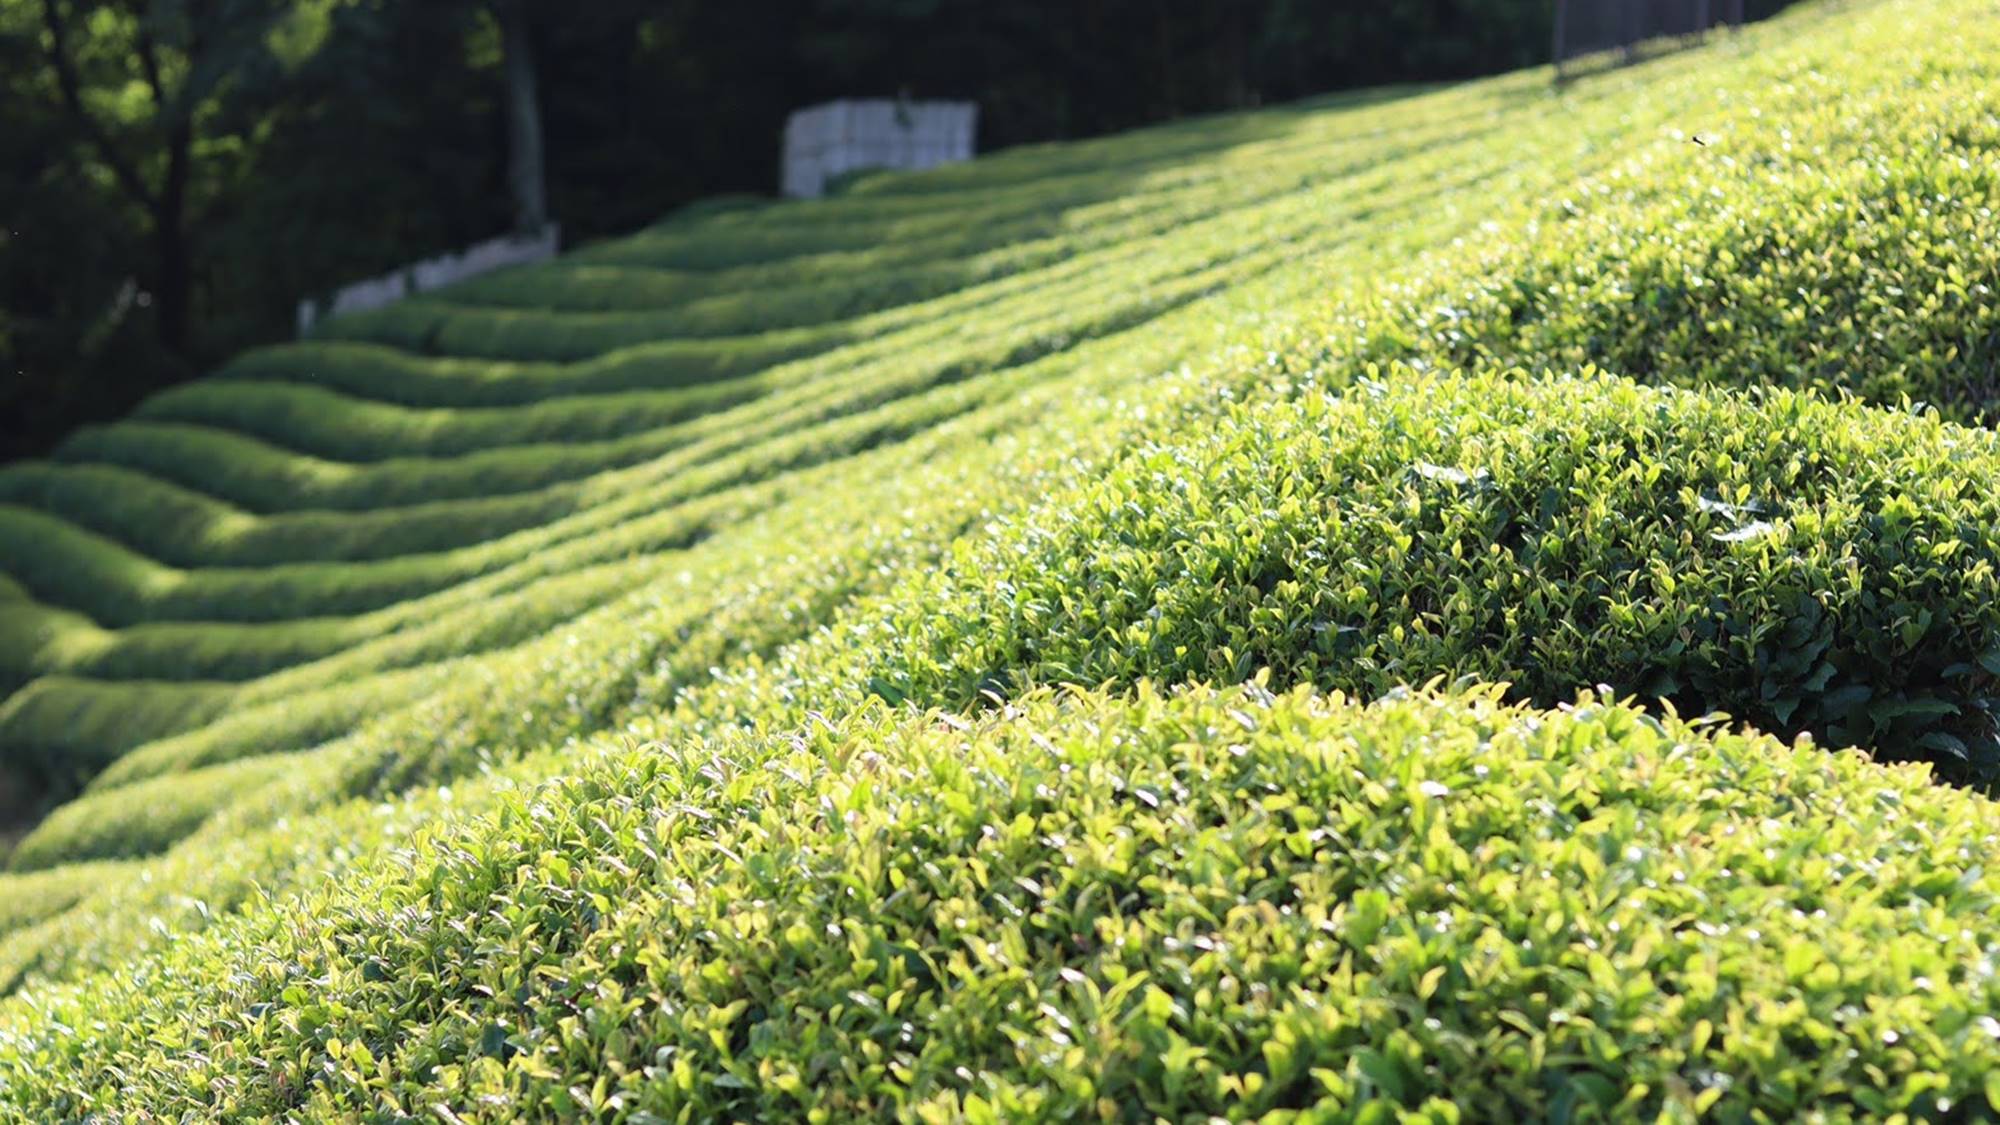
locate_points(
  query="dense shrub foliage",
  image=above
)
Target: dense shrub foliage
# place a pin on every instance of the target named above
(957, 650)
(1214, 903)
(1793, 562)
(1864, 269)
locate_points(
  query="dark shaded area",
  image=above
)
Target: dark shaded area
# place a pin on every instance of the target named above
(1583, 27)
(279, 148)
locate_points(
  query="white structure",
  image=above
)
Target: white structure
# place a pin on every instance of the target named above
(829, 140)
(432, 273)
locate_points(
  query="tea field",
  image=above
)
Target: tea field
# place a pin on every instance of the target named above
(1455, 604)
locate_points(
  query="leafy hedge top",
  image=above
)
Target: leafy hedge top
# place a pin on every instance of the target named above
(1214, 903)
(1850, 253)
(1800, 564)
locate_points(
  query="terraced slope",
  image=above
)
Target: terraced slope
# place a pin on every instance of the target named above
(624, 686)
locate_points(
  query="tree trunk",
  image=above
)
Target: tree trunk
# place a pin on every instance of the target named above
(172, 289)
(524, 119)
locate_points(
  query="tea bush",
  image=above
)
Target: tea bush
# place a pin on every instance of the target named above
(1795, 563)
(1207, 904)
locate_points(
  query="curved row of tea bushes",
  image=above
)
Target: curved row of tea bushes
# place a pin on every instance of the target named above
(66, 729)
(1864, 264)
(118, 588)
(303, 718)
(338, 426)
(1799, 564)
(29, 898)
(383, 373)
(1209, 904)
(138, 819)
(250, 473)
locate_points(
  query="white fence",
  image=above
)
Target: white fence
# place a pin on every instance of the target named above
(826, 141)
(432, 273)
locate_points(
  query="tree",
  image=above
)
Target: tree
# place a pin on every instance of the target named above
(183, 54)
(176, 174)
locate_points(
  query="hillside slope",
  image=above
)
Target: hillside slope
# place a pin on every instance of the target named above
(625, 684)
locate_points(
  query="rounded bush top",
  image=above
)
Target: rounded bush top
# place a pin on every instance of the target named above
(1798, 563)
